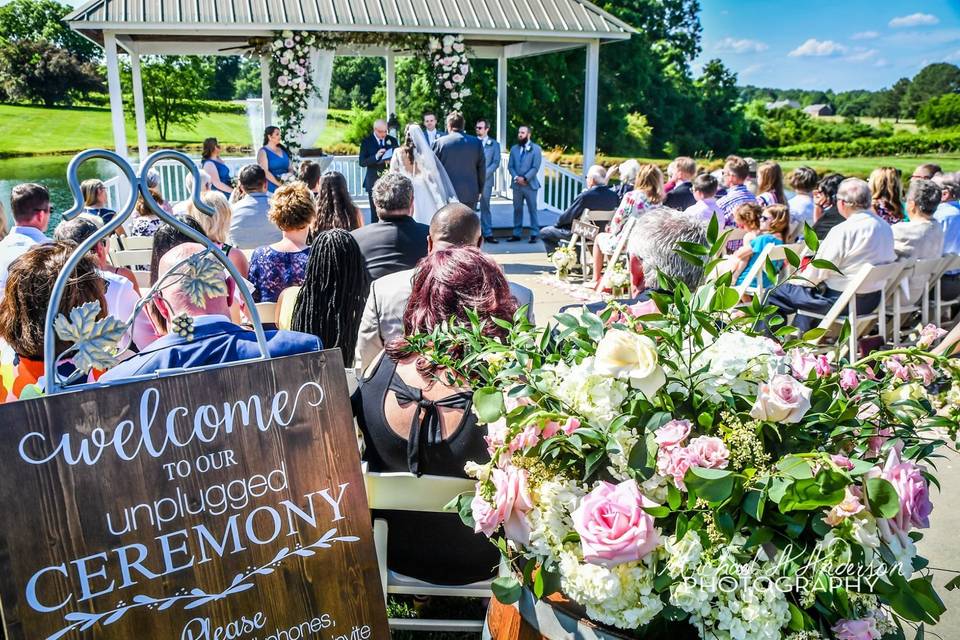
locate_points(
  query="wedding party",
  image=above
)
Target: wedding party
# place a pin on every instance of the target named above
(497, 320)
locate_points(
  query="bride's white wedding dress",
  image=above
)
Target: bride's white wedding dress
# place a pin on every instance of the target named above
(432, 188)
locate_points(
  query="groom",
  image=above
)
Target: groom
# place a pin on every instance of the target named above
(462, 157)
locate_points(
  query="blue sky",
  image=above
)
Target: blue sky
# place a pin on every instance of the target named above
(829, 44)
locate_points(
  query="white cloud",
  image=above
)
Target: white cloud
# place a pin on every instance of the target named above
(865, 35)
(740, 45)
(862, 55)
(818, 49)
(953, 56)
(915, 20)
(881, 62)
(751, 70)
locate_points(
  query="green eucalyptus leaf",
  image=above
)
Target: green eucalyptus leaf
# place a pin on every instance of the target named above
(882, 498)
(488, 403)
(506, 589)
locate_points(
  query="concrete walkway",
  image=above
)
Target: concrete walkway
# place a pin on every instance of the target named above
(526, 264)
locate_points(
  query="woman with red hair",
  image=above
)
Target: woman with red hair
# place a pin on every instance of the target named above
(413, 420)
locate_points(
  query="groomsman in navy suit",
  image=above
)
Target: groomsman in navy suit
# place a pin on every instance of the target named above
(525, 160)
(375, 153)
(491, 155)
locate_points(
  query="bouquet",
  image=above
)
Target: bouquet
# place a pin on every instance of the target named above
(619, 279)
(686, 466)
(563, 258)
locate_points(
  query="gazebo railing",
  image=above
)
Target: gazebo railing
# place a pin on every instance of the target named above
(559, 185)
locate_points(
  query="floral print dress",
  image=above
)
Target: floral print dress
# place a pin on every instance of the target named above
(272, 271)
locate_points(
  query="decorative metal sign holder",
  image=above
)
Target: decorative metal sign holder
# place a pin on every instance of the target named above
(139, 188)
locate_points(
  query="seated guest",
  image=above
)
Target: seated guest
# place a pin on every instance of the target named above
(153, 184)
(767, 226)
(596, 197)
(282, 264)
(413, 420)
(309, 173)
(921, 236)
(122, 292)
(863, 238)
(647, 193)
(628, 174)
(216, 168)
(770, 185)
(705, 188)
(948, 215)
(803, 180)
(825, 213)
(24, 309)
(30, 205)
(215, 339)
(926, 171)
(681, 196)
(183, 207)
(145, 221)
(887, 190)
(736, 172)
(95, 199)
(335, 208)
(330, 301)
(217, 227)
(455, 225)
(397, 241)
(250, 227)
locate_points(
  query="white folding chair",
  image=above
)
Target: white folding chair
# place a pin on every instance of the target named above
(913, 295)
(133, 259)
(951, 262)
(130, 243)
(625, 232)
(427, 494)
(868, 279)
(753, 281)
(596, 220)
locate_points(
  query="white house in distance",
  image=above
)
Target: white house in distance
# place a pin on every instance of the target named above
(818, 110)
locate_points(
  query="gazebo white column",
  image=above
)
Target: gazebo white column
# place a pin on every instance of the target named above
(502, 122)
(116, 93)
(590, 91)
(265, 90)
(138, 110)
(391, 78)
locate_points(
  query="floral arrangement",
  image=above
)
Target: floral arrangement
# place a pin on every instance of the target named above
(618, 279)
(671, 469)
(292, 84)
(448, 55)
(563, 259)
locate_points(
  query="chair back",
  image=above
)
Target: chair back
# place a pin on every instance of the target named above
(131, 258)
(130, 243)
(407, 492)
(599, 218)
(268, 312)
(753, 281)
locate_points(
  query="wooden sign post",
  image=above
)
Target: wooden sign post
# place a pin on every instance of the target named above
(225, 504)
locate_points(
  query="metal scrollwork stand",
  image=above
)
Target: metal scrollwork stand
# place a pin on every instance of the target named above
(139, 187)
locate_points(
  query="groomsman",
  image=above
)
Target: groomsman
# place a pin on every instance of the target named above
(430, 127)
(375, 153)
(491, 155)
(525, 160)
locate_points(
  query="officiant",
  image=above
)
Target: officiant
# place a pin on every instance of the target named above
(375, 153)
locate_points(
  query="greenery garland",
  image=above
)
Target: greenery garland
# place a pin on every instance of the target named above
(291, 81)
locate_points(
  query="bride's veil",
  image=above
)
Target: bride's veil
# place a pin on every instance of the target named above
(426, 165)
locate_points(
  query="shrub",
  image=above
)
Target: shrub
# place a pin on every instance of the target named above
(941, 112)
(41, 72)
(361, 125)
(900, 144)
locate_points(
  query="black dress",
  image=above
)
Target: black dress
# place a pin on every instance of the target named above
(435, 547)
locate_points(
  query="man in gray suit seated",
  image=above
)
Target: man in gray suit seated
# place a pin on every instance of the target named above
(525, 160)
(452, 226)
(491, 154)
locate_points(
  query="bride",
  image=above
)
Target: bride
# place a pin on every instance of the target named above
(432, 188)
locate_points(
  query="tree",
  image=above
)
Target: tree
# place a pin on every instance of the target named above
(720, 121)
(40, 72)
(248, 83)
(932, 81)
(172, 89)
(888, 103)
(31, 20)
(940, 112)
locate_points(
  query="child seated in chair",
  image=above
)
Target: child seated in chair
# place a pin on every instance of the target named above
(764, 227)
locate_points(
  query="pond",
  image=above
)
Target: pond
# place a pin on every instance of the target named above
(50, 171)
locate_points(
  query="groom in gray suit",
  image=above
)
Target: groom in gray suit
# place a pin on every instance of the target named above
(462, 156)
(491, 154)
(525, 160)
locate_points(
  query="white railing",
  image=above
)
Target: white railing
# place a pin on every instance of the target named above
(559, 185)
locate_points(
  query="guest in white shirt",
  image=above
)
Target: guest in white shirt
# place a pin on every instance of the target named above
(454, 225)
(862, 238)
(920, 237)
(30, 206)
(705, 188)
(803, 180)
(948, 215)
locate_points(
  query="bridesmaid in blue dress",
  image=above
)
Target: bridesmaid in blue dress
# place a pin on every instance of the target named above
(273, 157)
(216, 168)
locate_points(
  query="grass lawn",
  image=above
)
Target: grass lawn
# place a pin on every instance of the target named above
(28, 130)
(861, 167)
(904, 125)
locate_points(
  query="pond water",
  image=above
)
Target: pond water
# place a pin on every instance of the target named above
(50, 171)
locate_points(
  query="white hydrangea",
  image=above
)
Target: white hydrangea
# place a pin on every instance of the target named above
(621, 596)
(596, 397)
(550, 520)
(737, 362)
(619, 462)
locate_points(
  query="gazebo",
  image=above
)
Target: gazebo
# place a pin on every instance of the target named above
(492, 29)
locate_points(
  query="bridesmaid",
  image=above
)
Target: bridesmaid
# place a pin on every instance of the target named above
(273, 157)
(217, 169)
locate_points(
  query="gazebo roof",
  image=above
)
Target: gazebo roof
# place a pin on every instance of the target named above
(510, 20)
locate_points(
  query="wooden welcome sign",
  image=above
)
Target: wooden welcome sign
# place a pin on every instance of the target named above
(225, 504)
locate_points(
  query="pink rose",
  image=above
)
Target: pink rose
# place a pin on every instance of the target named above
(511, 500)
(645, 308)
(672, 434)
(674, 463)
(613, 526)
(572, 425)
(550, 429)
(708, 452)
(849, 379)
(848, 507)
(822, 367)
(783, 399)
(930, 334)
(907, 478)
(863, 629)
(496, 435)
(842, 461)
(802, 362)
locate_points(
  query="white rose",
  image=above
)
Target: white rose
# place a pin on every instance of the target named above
(458, 78)
(448, 85)
(783, 399)
(283, 81)
(458, 47)
(626, 354)
(287, 34)
(454, 95)
(448, 40)
(434, 44)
